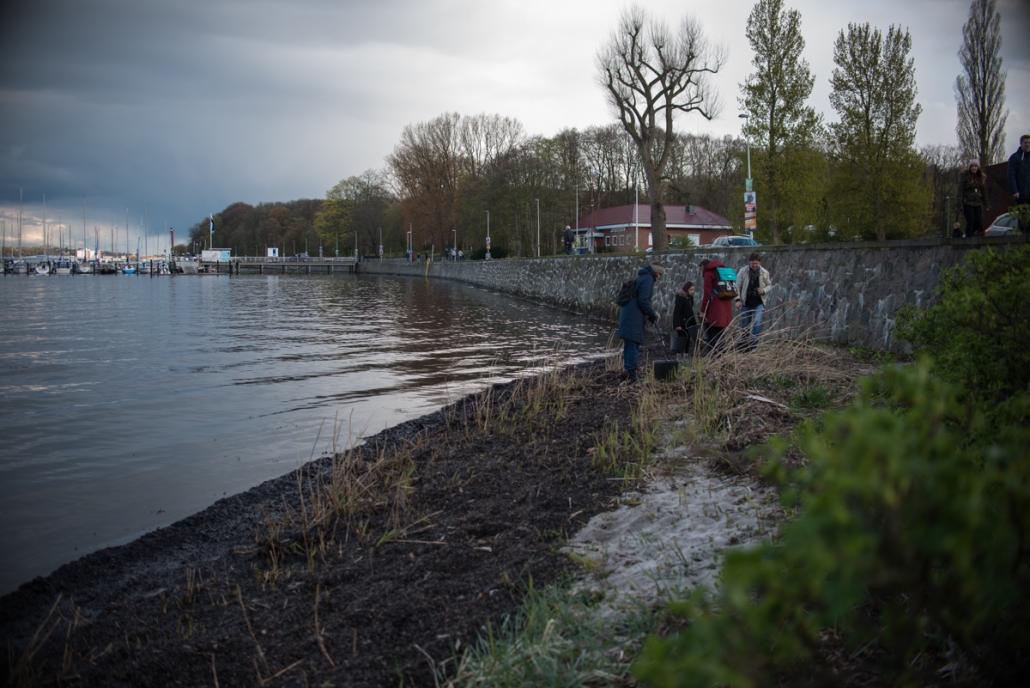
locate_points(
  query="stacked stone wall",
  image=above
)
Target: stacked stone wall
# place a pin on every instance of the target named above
(847, 293)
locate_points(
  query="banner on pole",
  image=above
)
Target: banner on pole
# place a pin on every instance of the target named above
(750, 210)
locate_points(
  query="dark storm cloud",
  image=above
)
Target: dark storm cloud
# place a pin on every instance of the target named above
(178, 106)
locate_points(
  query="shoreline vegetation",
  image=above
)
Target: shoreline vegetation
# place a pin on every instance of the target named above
(568, 529)
(395, 561)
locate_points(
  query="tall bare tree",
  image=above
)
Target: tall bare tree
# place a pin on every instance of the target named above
(980, 91)
(774, 96)
(651, 74)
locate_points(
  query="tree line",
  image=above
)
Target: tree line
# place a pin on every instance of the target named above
(859, 177)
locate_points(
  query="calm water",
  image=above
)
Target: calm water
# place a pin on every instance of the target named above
(127, 403)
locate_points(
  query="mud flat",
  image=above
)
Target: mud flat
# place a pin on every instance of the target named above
(361, 569)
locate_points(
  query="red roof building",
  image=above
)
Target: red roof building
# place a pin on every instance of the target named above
(622, 229)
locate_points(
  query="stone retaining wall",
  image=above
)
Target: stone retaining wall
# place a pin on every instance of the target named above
(848, 293)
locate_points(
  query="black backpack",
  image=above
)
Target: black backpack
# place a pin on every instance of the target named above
(627, 292)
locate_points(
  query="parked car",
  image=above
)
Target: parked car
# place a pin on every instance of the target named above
(1006, 224)
(733, 242)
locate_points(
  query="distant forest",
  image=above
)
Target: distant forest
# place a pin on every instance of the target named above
(446, 174)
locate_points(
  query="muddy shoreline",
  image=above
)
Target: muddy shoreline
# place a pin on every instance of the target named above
(472, 505)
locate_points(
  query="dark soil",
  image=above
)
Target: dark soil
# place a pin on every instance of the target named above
(249, 592)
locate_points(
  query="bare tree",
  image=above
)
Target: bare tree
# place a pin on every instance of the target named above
(980, 92)
(651, 74)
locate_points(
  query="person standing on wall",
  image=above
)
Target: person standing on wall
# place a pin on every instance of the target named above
(684, 321)
(1019, 178)
(632, 316)
(753, 284)
(567, 237)
(716, 312)
(972, 190)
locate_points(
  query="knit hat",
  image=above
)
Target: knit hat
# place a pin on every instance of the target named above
(658, 268)
(974, 163)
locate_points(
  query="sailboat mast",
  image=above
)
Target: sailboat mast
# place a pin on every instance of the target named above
(21, 202)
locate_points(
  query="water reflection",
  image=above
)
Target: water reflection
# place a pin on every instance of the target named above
(127, 403)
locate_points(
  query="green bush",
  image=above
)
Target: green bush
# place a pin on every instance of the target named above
(911, 543)
(977, 330)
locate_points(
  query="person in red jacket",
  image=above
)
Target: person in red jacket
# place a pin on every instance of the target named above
(716, 313)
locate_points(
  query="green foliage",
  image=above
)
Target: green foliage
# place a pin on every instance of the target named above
(910, 544)
(248, 230)
(784, 126)
(556, 639)
(976, 332)
(878, 190)
(813, 397)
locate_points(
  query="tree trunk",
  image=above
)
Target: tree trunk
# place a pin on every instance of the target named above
(658, 236)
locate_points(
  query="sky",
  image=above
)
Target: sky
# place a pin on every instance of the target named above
(156, 113)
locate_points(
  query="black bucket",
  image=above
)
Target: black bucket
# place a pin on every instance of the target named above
(666, 370)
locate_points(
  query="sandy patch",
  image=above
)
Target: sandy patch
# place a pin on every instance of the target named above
(670, 536)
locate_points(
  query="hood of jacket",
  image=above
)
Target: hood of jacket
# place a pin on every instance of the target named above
(714, 263)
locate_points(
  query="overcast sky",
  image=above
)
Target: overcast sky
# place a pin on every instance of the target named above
(176, 109)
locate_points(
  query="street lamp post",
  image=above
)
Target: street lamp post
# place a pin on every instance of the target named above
(454, 246)
(750, 206)
(537, 227)
(747, 140)
(486, 254)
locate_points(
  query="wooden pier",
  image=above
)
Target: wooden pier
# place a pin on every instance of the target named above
(280, 266)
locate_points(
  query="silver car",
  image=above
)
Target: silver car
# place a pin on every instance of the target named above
(733, 242)
(1006, 224)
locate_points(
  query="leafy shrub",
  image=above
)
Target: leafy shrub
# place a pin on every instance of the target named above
(911, 539)
(977, 331)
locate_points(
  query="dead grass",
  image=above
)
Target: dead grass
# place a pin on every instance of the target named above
(738, 398)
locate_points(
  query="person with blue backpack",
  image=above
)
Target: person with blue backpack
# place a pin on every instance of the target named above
(633, 313)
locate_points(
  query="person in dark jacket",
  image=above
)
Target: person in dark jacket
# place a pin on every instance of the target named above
(1019, 172)
(716, 313)
(972, 191)
(1019, 178)
(633, 315)
(684, 321)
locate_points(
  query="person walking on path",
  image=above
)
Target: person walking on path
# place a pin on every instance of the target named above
(1019, 178)
(972, 190)
(716, 312)
(632, 317)
(684, 321)
(753, 284)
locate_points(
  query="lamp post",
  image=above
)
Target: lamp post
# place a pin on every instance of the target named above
(454, 246)
(750, 205)
(537, 227)
(486, 254)
(747, 118)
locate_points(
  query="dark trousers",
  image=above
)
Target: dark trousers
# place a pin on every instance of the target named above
(974, 220)
(712, 335)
